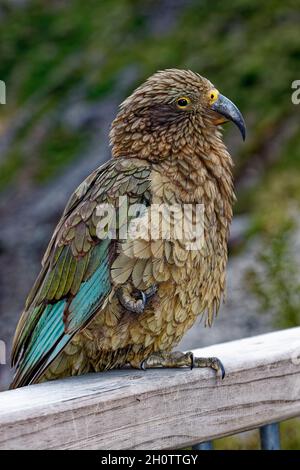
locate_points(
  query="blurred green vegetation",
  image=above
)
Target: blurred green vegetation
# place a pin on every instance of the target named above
(277, 283)
(249, 440)
(53, 52)
(289, 436)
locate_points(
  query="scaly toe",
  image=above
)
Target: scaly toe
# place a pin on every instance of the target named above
(217, 365)
(151, 291)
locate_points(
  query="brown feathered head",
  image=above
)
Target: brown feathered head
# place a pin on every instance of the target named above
(171, 107)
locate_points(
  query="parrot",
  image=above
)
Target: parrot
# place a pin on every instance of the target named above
(110, 292)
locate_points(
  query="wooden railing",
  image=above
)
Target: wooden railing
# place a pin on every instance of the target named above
(159, 409)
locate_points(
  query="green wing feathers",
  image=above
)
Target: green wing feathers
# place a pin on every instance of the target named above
(76, 275)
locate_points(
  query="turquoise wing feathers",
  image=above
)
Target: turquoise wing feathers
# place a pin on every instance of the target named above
(75, 277)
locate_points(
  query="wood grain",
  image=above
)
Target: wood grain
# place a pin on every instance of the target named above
(159, 409)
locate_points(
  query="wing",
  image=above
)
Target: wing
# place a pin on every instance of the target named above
(75, 277)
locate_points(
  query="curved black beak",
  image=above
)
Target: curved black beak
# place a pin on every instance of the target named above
(228, 109)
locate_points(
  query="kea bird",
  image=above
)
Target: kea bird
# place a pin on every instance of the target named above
(103, 302)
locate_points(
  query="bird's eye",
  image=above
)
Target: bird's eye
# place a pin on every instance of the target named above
(213, 95)
(183, 102)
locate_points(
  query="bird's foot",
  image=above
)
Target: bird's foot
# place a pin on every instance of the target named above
(135, 300)
(179, 359)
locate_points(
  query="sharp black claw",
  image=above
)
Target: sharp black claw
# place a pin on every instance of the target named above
(142, 365)
(217, 365)
(143, 298)
(192, 361)
(222, 368)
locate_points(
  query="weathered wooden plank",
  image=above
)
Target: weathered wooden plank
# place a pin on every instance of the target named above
(159, 409)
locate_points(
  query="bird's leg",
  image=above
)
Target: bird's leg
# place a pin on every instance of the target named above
(135, 300)
(179, 359)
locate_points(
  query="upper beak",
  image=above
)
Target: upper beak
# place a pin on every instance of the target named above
(228, 109)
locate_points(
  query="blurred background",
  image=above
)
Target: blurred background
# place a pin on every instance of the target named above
(68, 64)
